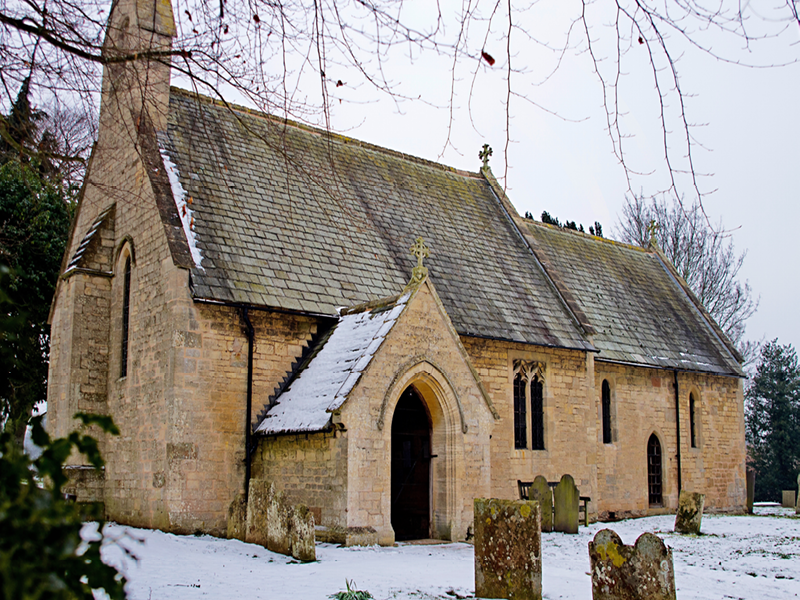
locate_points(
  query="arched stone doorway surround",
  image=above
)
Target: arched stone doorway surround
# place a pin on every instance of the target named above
(447, 445)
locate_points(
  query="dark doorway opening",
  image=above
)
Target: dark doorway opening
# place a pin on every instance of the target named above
(654, 471)
(411, 468)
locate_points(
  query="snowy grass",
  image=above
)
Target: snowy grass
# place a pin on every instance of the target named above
(736, 557)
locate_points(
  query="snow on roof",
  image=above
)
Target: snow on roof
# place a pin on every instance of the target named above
(324, 384)
(87, 239)
(183, 202)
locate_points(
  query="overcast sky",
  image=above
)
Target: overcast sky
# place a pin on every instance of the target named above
(564, 163)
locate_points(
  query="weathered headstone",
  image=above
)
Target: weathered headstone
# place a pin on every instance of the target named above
(750, 477)
(797, 506)
(565, 505)
(277, 522)
(643, 571)
(788, 499)
(508, 549)
(301, 533)
(540, 492)
(257, 503)
(690, 512)
(287, 529)
(237, 519)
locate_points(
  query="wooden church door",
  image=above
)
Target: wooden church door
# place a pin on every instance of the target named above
(411, 468)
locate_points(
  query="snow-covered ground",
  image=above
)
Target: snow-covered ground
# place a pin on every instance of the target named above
(748, 557)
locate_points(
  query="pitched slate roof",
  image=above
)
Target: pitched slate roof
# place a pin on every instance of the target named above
(324, 382)
(294, 218)
(637, 305)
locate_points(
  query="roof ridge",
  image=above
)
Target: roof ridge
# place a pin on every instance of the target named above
(196, 96)
(588, 236)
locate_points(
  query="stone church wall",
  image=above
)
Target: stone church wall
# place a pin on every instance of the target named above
(643, 402)
(310, 469)
(569, 417)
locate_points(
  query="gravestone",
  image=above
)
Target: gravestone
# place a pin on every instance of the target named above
(237, 519)
(643, 571)
(301, 533)
(788, 499)
(288, 529)
(797, 506)
(257, 503)
(540, 492)
(508, 549)
(750, 476)
(565, 506)
(277, 522)
(690, 512)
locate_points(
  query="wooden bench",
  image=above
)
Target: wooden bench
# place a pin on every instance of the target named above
(583, 507)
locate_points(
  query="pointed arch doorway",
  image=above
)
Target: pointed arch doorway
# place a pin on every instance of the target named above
(411, 468)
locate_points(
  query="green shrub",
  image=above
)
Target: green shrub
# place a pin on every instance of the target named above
(42, 554)
(351, 593)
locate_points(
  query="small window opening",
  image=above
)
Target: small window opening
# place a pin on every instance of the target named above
(126, 308)
(606, 412)
(692, 425)
(654, 471)
(537, 415)
(520, 415)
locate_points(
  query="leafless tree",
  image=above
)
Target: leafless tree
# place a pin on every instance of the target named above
(298, 58)
(703, 255)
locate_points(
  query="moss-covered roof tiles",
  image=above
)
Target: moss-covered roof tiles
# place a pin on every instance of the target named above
(293, 218)
(639, 309)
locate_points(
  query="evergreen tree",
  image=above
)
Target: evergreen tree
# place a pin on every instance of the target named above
(35, 211)
(773, 421)
(18, 130)
(43, 554)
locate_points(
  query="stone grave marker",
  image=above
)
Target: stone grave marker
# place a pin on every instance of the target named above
(565, 505)
(257, 503)
(237, 519)
(643, 571)
(788, 499)
(750, 477)
(277, 522)
(540, 492)
(301, 533)
(690, 512)
(508, 549)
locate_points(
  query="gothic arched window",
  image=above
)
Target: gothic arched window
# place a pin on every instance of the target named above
(528, 400)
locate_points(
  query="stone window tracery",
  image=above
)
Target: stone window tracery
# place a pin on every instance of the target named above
(529, 404)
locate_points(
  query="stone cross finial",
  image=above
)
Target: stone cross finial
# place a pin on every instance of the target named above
(485, 154)
(421, 251)
(652, 230)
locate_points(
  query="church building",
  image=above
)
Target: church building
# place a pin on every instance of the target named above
(382, 337)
